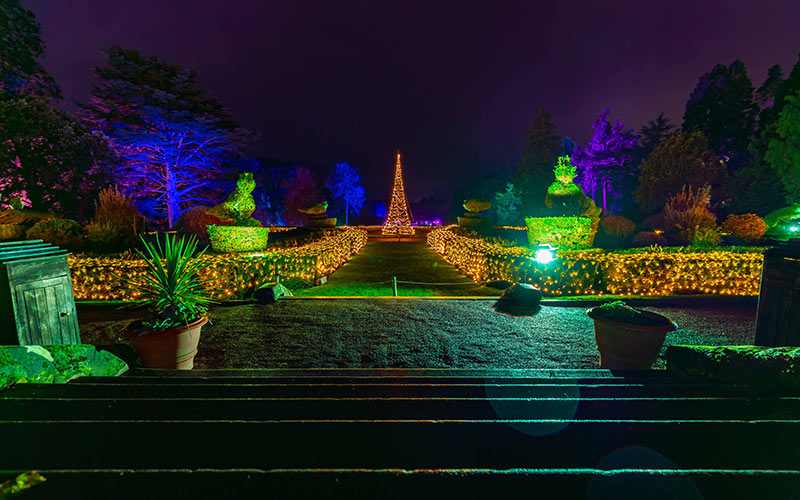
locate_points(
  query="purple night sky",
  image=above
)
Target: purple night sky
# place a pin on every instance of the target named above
(452, 84)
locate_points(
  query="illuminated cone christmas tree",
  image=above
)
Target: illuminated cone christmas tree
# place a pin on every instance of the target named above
(398, 220)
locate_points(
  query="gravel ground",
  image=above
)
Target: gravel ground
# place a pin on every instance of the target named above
(418, 333)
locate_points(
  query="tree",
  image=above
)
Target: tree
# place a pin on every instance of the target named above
(783, 152)
(721, 107)
(654, 133)
(765, 95)
(49, 159)
(508, 207)
(683, 159)
(345, 187)
(302, 190)
(540, 151)
(605, 164)
(172, 160)
(20, 48)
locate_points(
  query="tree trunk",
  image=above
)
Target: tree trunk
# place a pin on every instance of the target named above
(173, 204)
(605, 195)
(346, 211)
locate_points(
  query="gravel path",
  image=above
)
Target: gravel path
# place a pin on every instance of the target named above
(419, 333)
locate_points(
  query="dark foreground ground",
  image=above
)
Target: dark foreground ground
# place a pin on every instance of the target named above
(418, 333)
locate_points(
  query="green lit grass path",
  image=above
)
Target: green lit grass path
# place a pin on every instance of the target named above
(410, 261)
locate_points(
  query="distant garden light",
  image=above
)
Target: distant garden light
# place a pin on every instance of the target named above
(794, 229)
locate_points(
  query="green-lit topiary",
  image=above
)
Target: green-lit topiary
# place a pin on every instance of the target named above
(238, 238)
(569, 232)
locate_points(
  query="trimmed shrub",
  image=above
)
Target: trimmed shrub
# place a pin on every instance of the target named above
(195, 222)
(569, 232)
(706, 237)
(746, 227)
(238, 238)
(648, 238)
(9, 232)
(476, 205)
(65, 233)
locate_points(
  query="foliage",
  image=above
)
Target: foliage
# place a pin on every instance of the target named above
(507, 207)
(570, 232)
(651, 135)
(706, 237)
(22, 482)
(765, 95)
(606, 162)
(564, 171)
(746, 227)
(48, 158)
(238, 238)
(648, 238)
(687, 212)
(540, 150)
(239, 205)
(623, 313)
(476, 205)
(755, 188)
(117, 222)
(618, 226)
(564, 197)
(20, 48)
(11, 232)
(195, 222)
(721, 107)
(302, 190)
(345, 187)
(683, 159)
(64, 233)
(172, 288)
(783, 151)
(318, 209)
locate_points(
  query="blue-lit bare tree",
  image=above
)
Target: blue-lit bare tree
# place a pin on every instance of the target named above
(345, 187)
(173, 160)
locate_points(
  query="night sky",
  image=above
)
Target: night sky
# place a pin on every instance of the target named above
(454, 85)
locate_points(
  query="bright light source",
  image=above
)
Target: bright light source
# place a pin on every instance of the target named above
(543, 256)
(794, 229)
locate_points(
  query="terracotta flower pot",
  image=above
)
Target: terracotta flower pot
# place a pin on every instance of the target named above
(626, 346)
(173, 348)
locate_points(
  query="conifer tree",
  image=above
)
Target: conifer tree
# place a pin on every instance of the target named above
(540, 151)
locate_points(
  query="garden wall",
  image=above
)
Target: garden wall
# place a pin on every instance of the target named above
(93, 278)
(649, 271)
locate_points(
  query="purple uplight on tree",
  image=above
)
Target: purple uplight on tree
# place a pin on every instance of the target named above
(172, 160)
(605, 164)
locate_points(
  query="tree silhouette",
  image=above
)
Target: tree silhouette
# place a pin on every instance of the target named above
(345, 187)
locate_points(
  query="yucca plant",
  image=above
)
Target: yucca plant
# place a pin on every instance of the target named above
(172, 287)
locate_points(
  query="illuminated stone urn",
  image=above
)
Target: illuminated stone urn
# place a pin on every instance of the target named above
(316, 216)
(627, 345)
(474, 215)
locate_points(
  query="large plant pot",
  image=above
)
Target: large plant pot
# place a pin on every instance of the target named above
(173, 348)
(625, 346)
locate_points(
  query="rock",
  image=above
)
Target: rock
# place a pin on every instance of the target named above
(270, 292)
(521, 299)
(28, 363)
(55, 363)
(73, 361)
(737, 364)
(499, 284)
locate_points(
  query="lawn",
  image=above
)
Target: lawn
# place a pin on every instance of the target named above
(370, 274)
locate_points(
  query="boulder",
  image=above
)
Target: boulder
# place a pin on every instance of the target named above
(521, 299)
(56, 363)
(270, 292)
(737, 364)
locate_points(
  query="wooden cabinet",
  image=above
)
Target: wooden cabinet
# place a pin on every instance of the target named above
(36, 302)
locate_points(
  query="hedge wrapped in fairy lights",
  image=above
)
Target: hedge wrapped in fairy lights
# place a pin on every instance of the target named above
(235, 273)
(650, 271)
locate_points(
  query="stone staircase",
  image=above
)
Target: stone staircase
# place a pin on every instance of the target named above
(401, 433)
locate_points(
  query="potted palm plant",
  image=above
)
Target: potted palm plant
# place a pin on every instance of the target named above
(178, 302)
(628, 338)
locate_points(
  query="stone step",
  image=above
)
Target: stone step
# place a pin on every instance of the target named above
(85, 388)
(596, 484)
(405, 444)
(265, 409)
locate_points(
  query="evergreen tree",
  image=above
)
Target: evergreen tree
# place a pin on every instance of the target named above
(507, 207)
(302, 190)
(783, 152)
(540, 151)
(721, 107)
(20, 48)
(345, 187)
(49, 159)
(765, 95)
(606, 163)
(654, 133)
(683, 159)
